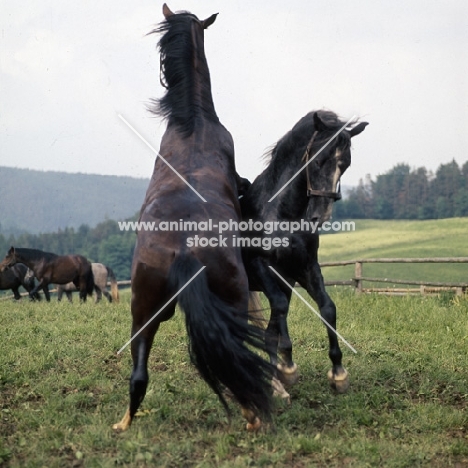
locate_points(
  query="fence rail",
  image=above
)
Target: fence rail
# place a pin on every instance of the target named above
(426, 287)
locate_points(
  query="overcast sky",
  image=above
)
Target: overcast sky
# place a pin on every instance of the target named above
(68, 68)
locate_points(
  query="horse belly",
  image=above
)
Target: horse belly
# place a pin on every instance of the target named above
(63, 274)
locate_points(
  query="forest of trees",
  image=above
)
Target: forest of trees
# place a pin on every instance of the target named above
(405, 193)
(44, 201)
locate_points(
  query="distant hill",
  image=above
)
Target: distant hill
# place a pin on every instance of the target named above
(36, 201)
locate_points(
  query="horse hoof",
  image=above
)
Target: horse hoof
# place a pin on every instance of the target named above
(288, 375)
(119, 427)
(255, 426)
(254, 422)
(279, 390)
(124, 424)
(339, 381)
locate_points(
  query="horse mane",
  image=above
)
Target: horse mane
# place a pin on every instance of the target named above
(35, 254)
(177, 49)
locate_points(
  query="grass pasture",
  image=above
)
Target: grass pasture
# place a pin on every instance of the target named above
(399, 239)
(62, 387)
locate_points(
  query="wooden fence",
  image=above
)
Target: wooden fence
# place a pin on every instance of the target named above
(424, 287)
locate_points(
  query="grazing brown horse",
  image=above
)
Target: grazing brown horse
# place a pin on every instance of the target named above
(51, 268)
(215, 294)
(101, 274)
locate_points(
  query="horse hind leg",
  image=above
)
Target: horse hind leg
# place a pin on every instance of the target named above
(99, 292)
(107, 295)
(253, 421)
(138, 380)
(82, 288)
(141, 347)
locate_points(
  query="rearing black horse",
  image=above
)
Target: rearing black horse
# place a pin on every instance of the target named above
(308, 197)
(215, 303)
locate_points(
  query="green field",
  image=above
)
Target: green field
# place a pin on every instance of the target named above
(404, 239)
(62, 386)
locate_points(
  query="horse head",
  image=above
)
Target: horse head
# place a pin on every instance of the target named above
(204, 23)
(187, 81)
(327, 156)
(9, 260)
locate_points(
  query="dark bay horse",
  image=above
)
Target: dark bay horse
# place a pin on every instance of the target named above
(308, 197)
(215, 302)
(101, 273)
(16, 276)
(51, 268)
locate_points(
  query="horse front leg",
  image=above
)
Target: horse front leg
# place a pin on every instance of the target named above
(42, 284)
(16, 293)
(286, 366)
(338, 375)
(277, 338)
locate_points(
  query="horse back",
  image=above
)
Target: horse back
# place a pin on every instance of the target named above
(206, 161)
(66, 268)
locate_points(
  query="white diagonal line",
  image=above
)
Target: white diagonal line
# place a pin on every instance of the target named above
(158, 154)
(161, 309)
(310, 160)
(313, 310)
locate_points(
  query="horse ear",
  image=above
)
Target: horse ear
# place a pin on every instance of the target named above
(167, 11)
(318, 123)
(11, 251)
(359, 128)
(209, 21)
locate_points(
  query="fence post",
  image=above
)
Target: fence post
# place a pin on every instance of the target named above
(358, 276)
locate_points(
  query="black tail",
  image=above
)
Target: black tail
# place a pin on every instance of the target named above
(218, 338)
(90, 282)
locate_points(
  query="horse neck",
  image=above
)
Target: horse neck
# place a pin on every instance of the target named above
(291, 202)
(21, 258)
(32, 260)
(202, 96)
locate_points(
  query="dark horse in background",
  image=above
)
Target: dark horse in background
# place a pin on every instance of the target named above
(51, 268)
(309, 197)
(215, 303)
(101, 274)
(16, 276)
